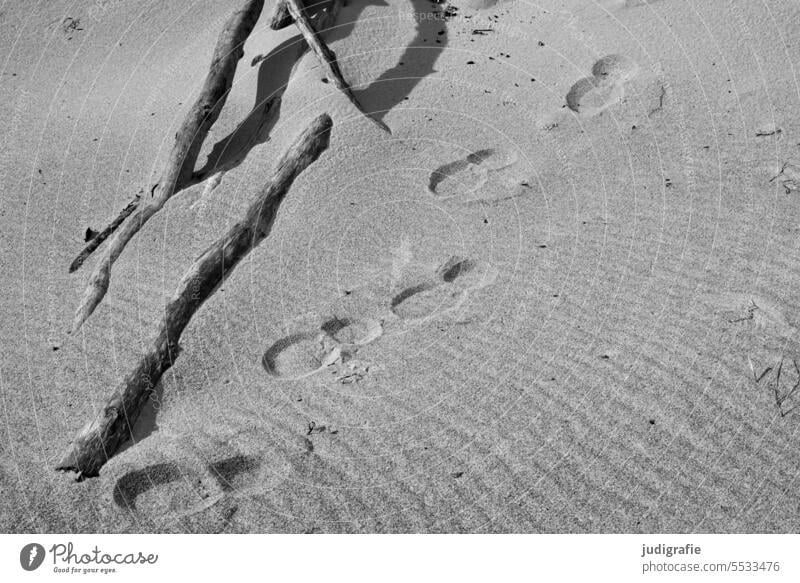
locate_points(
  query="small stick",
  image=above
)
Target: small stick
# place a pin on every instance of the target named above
(327, 58)
(188, 141)
(98, 239)
(100, 439)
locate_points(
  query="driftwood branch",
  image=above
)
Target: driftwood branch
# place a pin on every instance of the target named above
(327, 58)
(182, 159)
(280, 17)
(101, 438)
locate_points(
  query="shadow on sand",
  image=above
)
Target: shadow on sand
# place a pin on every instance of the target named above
(378, 98)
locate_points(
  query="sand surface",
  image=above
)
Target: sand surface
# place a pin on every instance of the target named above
(555, 299)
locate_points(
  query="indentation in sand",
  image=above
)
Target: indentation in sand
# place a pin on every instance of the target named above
(467, 274)
(137, 482)
(467, 178)
(423, 300)
(319, 344)
(168, 493)
(172, 492)
(235, 472)
(615, 68)
(300, 355)
(444, 292)
(591, 95)
(353, 332)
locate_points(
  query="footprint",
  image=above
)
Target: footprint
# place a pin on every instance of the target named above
(467, 274)
(349, 332)
(168, 493)
(173, 494)
(424, 300)
(468, 177)
(300, 355)
(320, 345)
(452, 283)
(235, 472)
(615, 68)
(592, 95)
(135, 483)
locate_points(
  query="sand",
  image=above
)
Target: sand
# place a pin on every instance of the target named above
(556, 298)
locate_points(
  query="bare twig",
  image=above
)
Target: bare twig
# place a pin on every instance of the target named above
(189, 139)
(763, 374)
(786, 396)
(98, 239)
(327, 58)
(100, 439)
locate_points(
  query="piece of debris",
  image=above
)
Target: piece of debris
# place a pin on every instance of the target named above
(482, 31)
(783, 395)
(89, 234)
(314, 428)
(352, 371)
(70, 25)
(768, 129)
(788, 177)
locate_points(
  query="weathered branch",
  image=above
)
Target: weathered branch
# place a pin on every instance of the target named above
(280, 16)
(327, 58)
(183, 157)
(99, 440)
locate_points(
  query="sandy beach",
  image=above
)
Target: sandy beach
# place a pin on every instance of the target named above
(559, 296)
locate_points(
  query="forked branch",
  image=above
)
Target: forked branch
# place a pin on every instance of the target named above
(182, 158)
(100, 439)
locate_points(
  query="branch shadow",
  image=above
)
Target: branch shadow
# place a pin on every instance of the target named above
(417, 61)
(378, 98)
